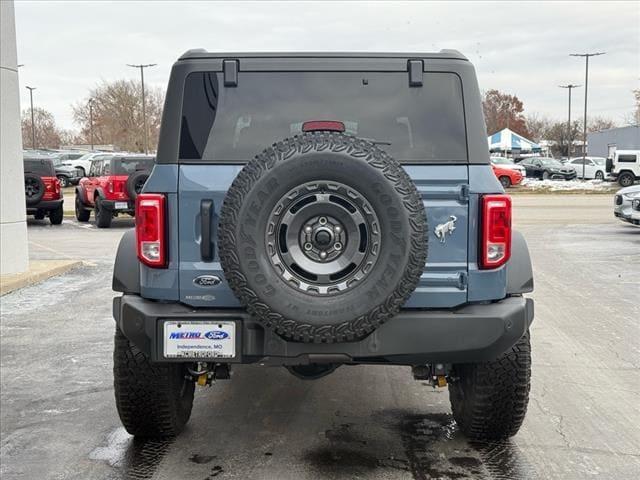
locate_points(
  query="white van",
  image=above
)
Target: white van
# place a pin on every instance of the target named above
(624, 166)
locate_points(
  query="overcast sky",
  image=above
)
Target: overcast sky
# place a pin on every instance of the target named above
(517, 47)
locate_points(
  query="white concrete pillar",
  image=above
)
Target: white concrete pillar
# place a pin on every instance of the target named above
(14, 253)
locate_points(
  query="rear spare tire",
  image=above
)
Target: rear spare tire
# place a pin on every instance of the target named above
(33, 188)
(135, 182)
(323, 237)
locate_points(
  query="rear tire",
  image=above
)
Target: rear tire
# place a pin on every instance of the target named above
(56, 216)
(82, 214)
(599, 175)
(489, 400)
(545, 175)
(626, 179)
(153, 399)
(103, 216)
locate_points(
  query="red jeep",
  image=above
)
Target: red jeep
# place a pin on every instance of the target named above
(42, 189)
(111, 187)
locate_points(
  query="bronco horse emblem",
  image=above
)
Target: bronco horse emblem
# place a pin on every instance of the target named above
(446, 227)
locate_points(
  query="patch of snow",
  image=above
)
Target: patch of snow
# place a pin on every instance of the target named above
(115, 450)
(567, 185)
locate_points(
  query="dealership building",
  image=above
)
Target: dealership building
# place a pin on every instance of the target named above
(604, 143)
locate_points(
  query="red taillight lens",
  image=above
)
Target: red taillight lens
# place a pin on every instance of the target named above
(320, 125)
(495, 244)
(150, 229)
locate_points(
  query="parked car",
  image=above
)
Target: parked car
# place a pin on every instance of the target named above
(623, 200)
(624, 167)
(42, 189)
(111, 187)
(635, 211)
(594, 167)
(83, 163)
(67, 175)
(293, 236)
(503, 162)
(507, 176)
(547, 168)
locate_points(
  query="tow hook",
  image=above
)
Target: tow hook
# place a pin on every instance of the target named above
(435, 374)
(207, 373)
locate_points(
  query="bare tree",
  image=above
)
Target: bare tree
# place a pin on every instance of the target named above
(597, 124)
(537, 126)
(47, 132)
(634, 117)
(502, 110)
(560, 138)
(117, 115)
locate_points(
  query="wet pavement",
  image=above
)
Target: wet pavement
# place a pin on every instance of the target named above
(58, 418)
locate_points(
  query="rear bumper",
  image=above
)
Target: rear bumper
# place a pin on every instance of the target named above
(470, 333)
(114, 205)
(45, 205)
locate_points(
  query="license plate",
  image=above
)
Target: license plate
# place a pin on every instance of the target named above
(199, 339)
(122, 205)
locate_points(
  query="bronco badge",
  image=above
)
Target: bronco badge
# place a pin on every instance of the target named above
(446, 227)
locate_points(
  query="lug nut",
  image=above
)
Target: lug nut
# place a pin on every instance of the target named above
(308, 229)
(337, 229)
(337, 246)
(323, 255)
(322, 220)
(308, 246)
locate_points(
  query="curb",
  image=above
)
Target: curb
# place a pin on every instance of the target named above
(39, 270)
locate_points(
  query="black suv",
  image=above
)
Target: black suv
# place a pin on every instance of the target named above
(42, 189)
(309, 211)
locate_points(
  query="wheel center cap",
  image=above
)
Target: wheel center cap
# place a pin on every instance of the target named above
(323, 238)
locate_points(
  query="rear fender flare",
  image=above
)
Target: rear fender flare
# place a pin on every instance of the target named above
(82, 193)
(519, 268)
(126, 269)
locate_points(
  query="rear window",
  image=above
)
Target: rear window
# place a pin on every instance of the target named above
(233, 124)
(627, 158)
(40, 166)
(127, 166)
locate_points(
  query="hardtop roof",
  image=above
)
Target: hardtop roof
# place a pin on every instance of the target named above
(200, 53)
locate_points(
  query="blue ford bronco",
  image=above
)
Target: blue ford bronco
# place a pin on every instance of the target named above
(313, 210)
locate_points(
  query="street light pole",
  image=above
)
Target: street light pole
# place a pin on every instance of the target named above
(91, 122)
(569, 86)
(144, 113)
(33, 125)
(586, 87)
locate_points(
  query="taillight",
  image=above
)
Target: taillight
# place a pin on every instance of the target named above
(495, 244)
(110, 186)
(150, 229)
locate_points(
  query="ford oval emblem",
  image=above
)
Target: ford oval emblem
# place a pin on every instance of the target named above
(207, 281)
(216, 335)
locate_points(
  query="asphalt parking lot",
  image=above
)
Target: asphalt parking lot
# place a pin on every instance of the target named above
(59, 420)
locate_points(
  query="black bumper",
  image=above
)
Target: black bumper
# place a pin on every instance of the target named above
(111, 205)
(45, 206)
(563, 176)
(470, 333)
